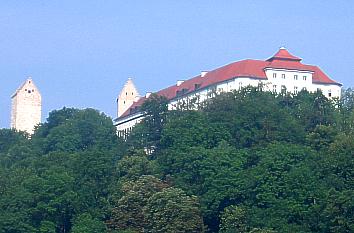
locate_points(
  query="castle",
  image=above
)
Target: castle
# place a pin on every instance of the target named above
(26, 107)
(283, 72)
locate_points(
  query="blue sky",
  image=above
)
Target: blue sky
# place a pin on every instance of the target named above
(80, 53)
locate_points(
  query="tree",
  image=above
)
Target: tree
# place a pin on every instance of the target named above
(86, 223)
(171, 210)
(47, 227)
(10, 138)
(127, 212)
(233, 219)
(73, 130)
(253, 117)
(147, 134)
(131, 167)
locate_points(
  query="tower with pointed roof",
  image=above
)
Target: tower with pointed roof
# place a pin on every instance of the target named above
(26, 107)
(128, 95)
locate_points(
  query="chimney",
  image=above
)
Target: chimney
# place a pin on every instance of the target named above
(179, 82)
(147, 95)
(203, 73)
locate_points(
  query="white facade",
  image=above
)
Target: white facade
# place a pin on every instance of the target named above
(283, 80)
(26, 107)
(127, 123)
(127, 96)
(276, 80)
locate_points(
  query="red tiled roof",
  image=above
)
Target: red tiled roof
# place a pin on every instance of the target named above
(283, 54)
(245, 68)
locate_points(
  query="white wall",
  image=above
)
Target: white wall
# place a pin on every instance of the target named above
(288, 81)
(26, 107)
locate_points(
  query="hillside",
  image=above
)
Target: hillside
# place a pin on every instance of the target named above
(247, 161)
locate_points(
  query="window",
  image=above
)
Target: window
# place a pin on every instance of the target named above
(329, 93)
(132, 93)
(304, 77)
(283, 76)
(283, 89)
(181, 92)
(196, 86)
(304, 89)
(275, 88)
(126, 93)
(295, 90)
(240, 85)
(295, 77)
(274, 75)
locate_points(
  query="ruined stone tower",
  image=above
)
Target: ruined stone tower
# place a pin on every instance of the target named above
(127, 96)
(26, 107)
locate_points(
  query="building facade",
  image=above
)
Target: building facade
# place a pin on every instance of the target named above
(282, 72)
(26, 107)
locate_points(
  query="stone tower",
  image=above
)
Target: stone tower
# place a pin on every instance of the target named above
(26, 107)
(127, 96)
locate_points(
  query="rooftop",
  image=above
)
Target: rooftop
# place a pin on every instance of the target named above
(245, 68)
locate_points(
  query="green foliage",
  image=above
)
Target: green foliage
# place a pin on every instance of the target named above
(86, 223)
(253, 117)
(127, 213)
(171, 210)
(233, 219)
(9, 138)
(248, 161)
(48, 180)
(321, 137)
(134, 166)
(149, 204)
(72, 130)
(148, 134)
(47, 227)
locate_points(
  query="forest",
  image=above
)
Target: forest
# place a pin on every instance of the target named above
(248, 161)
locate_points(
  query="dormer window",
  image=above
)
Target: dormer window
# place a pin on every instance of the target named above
(181, 92)
(197, 86)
